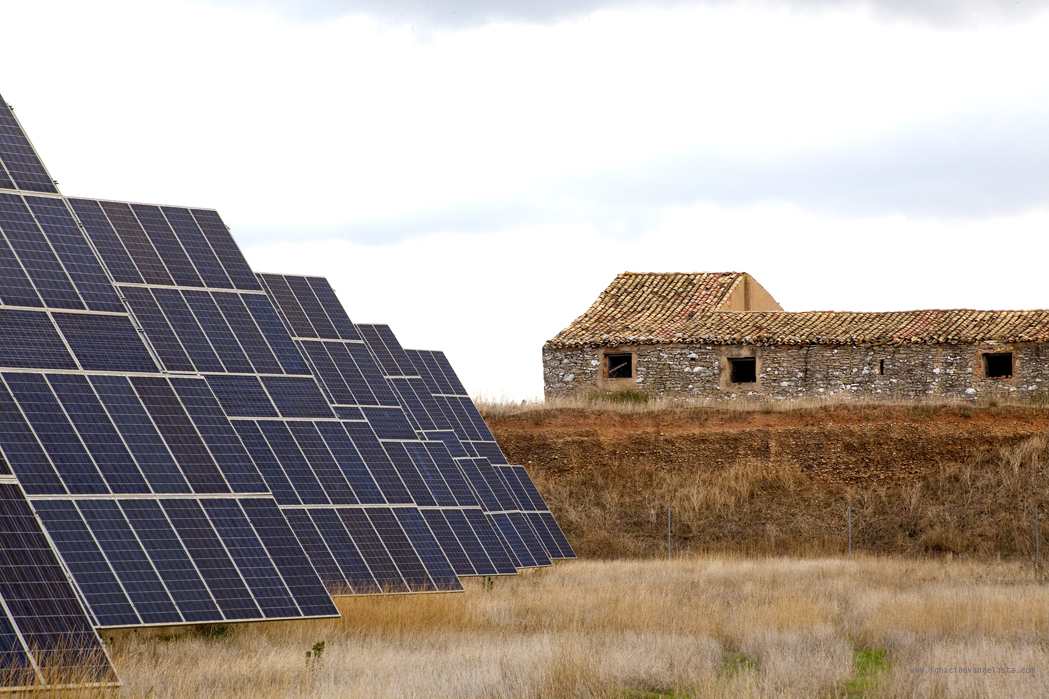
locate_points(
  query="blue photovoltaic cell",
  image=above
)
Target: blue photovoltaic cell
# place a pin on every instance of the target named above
(73, 250)
(473, 546)
(351, 463)
(512, 537)
(450, 441)
(389, 423)
(218, 332)
(140, 434)
(426, 546)
(405, 363)
(372, 374)
(136, 243)
(105, 343)
(401, 550)
(194, 243)
(275, 333)
(221, 576)
(289, 558)
(28, 340)
(449, 543)
(312, 307)
(412, 408)
(432, 476)
(378, 462)
(15, 287)
(187, 330)
(157, 329)
(266, 462)
(434, 371)
(89, 566)
(218, 434)
(480, 486)
(171, 560)
(371, 546)
(446, 368)
(251, 558)
(115, 256)
(524, 530)
(506, 500)
(129, 561)
(334, 310)
(318, 552)
(409, 474)
(166, 244)
(18, 156)
(548, 541)
(358, 385)
(247, 333)
(482, 526)
(559, 536)
(297, 397)
(278, 289)
(242, 396)
(433, 410)
(36, 255)
(226, 250)
(382, 354)
(298, 470)
(538, 504)
(41, 602)
(56, 435)
(323, 463)
(345, 412)
(171, 419)
(328, 373)
(453, 476)
(354, 569)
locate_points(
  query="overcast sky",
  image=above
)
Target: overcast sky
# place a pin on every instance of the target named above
(474, 173)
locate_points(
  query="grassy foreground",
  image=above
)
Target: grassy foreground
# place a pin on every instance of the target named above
(696, 626)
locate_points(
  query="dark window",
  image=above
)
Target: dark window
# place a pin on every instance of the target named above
(619, 366)
(881, 367)
(743, 370)
(997, 366)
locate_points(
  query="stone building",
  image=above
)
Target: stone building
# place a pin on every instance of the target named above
(722, 336)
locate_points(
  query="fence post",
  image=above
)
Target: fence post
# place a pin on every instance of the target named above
(848, 515)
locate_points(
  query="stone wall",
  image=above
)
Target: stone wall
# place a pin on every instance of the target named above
(807, 371)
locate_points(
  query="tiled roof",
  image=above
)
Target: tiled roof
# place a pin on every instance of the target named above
(823, 328)
(660, 304)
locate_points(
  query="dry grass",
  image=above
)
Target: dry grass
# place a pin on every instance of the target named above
(697, 626)
(983, 507)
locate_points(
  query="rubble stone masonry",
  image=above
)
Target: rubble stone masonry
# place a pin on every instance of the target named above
(864, 372)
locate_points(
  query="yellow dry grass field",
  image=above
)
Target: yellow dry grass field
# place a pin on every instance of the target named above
(705, 626)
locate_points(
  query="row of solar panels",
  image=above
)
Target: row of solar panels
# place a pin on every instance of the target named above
(200, 444)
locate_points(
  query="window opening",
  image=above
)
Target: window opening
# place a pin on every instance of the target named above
(998, 365)
(619, 366)
(881, 367)
(743, 370)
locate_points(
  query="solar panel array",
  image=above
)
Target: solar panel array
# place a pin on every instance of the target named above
(183, 441)
(425, 478)
(439, 408)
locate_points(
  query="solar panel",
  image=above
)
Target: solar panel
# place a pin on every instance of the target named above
(448, 393)
(394, 463)
(453, 419)
(46, 638)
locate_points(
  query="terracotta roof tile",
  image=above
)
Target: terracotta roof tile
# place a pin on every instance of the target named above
(679, 308)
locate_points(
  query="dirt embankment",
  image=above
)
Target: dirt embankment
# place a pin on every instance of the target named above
(919, 478)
